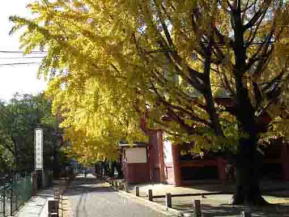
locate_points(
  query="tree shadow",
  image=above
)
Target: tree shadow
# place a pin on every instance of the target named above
(87, 185)
(267, 186)
(230, 210)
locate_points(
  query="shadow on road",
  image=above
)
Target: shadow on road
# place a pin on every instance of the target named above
(90, 197)
(87, 185)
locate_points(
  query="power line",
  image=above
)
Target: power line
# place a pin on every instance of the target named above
(21, 52)
(12, 58)
(14, 64)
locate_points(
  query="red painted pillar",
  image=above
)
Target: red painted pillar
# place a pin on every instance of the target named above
(285, 161)
(221, 164)
(154, 156)
(150, 157)
(176, 165)
(161, 156)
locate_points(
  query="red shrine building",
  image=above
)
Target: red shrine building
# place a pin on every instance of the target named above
(160, 161)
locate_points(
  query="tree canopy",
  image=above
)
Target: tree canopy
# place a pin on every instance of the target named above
(110, 61)
(212, 72)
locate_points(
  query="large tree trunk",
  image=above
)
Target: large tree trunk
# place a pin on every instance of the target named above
(248, 163)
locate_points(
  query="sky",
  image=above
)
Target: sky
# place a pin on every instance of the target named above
(16, 78)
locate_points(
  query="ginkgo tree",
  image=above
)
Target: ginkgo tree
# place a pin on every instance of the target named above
(111, 62)
(95, 120)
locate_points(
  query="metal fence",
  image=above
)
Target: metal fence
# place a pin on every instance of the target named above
(14, 194)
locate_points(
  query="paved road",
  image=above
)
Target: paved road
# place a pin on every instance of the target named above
(91, 198)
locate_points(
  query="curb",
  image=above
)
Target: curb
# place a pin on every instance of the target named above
(66, 207)
(63, 187)
(153, 205)
(35, 204)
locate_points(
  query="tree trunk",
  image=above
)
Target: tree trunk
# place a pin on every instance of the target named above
(248, 160)
(248, 164)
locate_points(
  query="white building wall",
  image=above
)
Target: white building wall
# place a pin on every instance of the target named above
(136, 155)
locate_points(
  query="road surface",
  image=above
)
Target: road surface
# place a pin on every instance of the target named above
(91, 198)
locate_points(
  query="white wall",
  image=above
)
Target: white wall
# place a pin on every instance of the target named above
(136, 155)
(168, 157)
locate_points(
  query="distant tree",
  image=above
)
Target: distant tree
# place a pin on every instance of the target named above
(18, 119)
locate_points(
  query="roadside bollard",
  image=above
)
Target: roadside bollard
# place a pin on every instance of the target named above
(57, 195)
(137, 191)
(246, 214)
(121, 186)
(53, 208)
(150, 194)
(4, 200)
(126, 187)
(116, 185)
(169, 200)
(197, 208)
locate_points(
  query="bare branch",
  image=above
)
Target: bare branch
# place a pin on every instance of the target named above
(263, 9)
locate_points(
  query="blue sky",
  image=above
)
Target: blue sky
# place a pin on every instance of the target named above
(16, 78)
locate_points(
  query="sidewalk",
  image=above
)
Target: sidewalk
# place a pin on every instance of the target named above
(218, 204)
(274, 187)
(37, 205)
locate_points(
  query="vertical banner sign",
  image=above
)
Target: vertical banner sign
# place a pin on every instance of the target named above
(38, 149)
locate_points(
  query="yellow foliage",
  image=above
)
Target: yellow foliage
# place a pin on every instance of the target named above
(109, 62)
